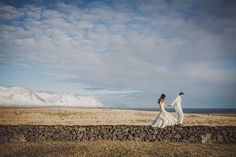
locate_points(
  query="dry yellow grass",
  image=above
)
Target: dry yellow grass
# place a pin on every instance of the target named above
(82, 116)
(117, 148)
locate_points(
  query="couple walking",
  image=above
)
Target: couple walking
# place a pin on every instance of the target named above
(164, 118)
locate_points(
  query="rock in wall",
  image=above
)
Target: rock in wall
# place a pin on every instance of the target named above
(199, 134)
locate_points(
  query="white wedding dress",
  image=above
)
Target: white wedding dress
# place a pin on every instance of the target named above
(164, 118)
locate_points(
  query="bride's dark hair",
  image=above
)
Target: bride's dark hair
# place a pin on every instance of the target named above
(161, 98)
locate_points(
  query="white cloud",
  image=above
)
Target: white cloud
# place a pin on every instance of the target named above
(143, 49)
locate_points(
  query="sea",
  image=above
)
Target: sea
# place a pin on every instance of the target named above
(190, 110)
(185, 110)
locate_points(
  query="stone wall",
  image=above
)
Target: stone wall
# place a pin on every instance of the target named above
(199, 134)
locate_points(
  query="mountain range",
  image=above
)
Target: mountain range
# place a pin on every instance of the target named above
(19, 96)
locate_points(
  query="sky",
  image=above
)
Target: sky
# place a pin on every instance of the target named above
(124, 52)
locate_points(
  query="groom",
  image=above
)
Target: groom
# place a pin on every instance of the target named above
(178, 108)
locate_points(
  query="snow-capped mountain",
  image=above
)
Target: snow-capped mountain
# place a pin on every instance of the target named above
(69, 99)
(19, 96)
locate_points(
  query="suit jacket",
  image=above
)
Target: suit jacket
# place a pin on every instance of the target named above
(177, 103)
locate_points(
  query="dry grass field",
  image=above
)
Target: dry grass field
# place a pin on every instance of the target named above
(117, 149)
(82, 116)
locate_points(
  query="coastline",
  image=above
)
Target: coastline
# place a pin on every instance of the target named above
(169, 109)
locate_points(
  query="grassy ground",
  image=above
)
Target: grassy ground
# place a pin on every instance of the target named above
(75, 116)
(117, 148)
(81, 116)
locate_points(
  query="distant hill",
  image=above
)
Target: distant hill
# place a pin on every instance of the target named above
(19, 96)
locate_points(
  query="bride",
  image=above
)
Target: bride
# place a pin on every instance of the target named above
(164, 118)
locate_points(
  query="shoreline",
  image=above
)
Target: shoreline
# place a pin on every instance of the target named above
(186, 110)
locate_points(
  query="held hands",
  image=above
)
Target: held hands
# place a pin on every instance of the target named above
(169, 105)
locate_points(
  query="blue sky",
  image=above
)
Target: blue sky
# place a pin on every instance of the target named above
(125, 53)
